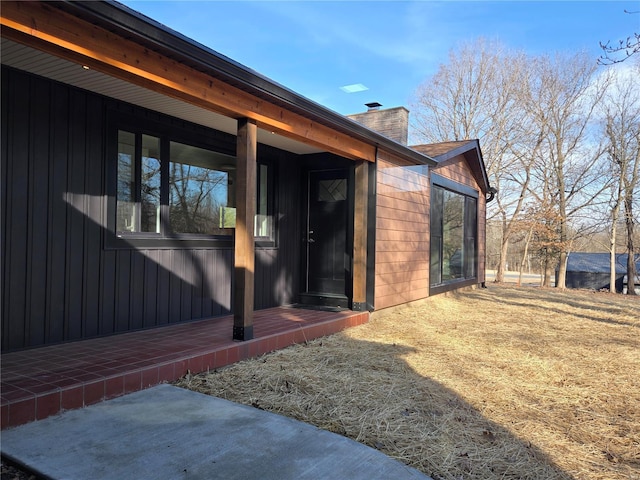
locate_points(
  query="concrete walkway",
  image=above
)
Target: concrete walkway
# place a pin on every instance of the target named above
(166, 432)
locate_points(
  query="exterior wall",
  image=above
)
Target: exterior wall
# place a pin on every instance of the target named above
(60, 281)
(402, 233)
(403, 227)
(457, 169)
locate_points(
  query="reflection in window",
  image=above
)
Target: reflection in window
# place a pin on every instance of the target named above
(126, 198)
(150, 185)
(191, 192)
(453, 236)
(263, 226)
(138, 195)
(198, 190)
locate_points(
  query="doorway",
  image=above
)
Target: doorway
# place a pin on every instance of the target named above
(327, 261)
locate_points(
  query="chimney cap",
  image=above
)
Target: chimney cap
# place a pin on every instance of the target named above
(373, 105)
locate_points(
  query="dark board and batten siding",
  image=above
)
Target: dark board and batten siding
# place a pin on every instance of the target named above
(59, 283)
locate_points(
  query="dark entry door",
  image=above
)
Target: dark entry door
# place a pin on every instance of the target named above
(327, 232)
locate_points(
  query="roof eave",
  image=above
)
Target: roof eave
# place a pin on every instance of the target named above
(135, 24)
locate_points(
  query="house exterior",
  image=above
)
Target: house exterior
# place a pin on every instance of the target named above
(592, 271)
(148, 180)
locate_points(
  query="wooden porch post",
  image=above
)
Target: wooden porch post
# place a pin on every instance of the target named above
(360, 236)
(244, 247)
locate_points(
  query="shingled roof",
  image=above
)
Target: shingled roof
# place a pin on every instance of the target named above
(470, 149)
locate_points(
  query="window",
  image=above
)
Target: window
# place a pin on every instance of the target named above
(172, 189)
(138, 184)
(453, 235)
(200, 187)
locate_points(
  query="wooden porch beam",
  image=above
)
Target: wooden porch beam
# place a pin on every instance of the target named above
(360, 236)
(244, 245)
(45, 27)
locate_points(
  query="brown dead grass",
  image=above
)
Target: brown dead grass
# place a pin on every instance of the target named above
(483, 384)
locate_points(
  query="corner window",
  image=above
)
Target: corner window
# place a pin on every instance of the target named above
(453, 236)
(169, 189)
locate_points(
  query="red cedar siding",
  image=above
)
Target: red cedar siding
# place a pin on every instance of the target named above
(402, 230)
(402, 234)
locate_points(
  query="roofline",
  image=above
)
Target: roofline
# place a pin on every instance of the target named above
(470, 145)
(138, 25)
(485, 177)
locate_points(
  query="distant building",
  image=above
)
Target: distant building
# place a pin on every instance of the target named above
(592, 271)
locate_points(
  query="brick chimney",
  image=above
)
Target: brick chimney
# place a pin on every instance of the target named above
(393, 123)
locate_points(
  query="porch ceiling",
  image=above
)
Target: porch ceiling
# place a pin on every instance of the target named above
(40, 63)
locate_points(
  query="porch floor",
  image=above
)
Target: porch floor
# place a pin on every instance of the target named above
(41, 382)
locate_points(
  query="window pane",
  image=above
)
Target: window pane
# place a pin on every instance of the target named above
(470, 233)
(452, 236)
(199, 187)
(126, 220)
(334, 190)
(263, 219)
(150, 185)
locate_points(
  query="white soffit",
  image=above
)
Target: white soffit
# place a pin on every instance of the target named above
(45, 65)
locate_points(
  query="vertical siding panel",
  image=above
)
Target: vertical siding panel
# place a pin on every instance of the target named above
(224, 280)
(198, 257)
(93, 223)
(216, 264)
(57, 253)
(164, 285)
(17, 192)
(189, 275)
(206, 284)
(136, 298)
(217, 289)
(175, 285)
(151, 287)
(37, 216)
(108, 300)
(75, 217)
(123, 274)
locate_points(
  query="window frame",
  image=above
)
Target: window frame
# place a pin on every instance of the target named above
(469, 239)
(167, 133)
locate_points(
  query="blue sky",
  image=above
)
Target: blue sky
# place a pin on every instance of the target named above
(391, 47)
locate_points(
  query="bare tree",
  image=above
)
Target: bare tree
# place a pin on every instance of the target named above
(478, 94)
(621, 112)
(564, 95)
(621, 51)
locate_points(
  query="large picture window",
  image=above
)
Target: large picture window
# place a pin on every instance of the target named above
(172, 189)
(453, 236)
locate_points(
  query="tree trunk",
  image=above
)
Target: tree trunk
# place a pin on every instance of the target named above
(614, 233)
(562, 271)
(612, 260)
(524, 255)
(504, 249)
(631, 259)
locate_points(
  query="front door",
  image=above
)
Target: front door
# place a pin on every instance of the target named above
(326, 236)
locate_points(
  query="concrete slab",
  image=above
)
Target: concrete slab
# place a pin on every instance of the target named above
(167, 432)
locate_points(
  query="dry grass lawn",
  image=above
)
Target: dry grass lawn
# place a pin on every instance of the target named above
(483, 384)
